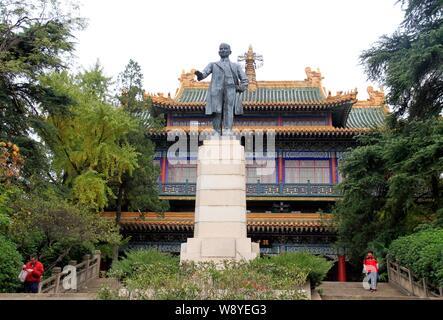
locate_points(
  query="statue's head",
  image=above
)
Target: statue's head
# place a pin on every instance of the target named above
(224, 50)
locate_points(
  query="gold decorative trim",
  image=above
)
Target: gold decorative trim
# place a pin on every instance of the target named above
(288, 198)
(322, 129)
(376, 99)
(176, 197)
(313, 80)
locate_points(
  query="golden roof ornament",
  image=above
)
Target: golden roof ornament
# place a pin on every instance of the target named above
(252, 61)
(377, 97)
(186, 78)
(313, 77)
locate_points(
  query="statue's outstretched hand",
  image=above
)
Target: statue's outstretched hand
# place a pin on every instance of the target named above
(199, 75)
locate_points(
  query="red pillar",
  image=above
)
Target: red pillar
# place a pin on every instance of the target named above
(341, 271)
(280, 169)
(163, 176)
(334, 168)
(168, 120)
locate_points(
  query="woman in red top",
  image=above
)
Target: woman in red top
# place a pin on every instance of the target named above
(35, 273)
(370, 266)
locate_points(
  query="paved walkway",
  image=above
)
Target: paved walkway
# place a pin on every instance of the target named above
(354, 291)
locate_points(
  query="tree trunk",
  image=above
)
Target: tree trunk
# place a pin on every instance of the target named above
(60, 258)
(435, 192)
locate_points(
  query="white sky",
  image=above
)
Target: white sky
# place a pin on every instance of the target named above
(167, 36)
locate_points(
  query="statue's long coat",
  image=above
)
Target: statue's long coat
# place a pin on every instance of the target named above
(214, 99)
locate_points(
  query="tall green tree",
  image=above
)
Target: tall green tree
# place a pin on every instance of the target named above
(94, 83)
(35, 37)
(410, 61)
(138, 192)
(89, 145)
(391, 185)
(130, 88)
(393, 179)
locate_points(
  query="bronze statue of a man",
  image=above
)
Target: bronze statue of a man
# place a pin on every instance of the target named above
(224, 94)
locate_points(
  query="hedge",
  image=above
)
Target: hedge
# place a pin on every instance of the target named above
(422, 253)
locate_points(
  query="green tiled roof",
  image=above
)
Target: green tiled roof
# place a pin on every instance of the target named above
(307, 94)
(368, 117)
(144, 117)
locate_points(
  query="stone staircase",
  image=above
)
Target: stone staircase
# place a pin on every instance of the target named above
(354, 291)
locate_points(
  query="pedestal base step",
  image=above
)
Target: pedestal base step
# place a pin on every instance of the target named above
(218, 249)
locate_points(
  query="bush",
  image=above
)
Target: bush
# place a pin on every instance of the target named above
(316, 266)
(10, 265)
(136, 259)
(236, 280)
(154, 275)
(422, 252)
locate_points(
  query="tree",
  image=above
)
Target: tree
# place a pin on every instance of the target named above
(130, 88)
(35, 37)
(392, 179)
(131, 97)
(410, 62)
(138, 191)
(93, 82)
(89, 144)
(391, 185)
(10, 165)
(10, 162)
(51, 227)
(10, 265)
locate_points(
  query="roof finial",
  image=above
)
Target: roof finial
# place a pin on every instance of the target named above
(252, 61)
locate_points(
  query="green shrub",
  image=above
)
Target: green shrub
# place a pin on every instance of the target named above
(10, 265)
(155, 275)
(422, 252)
(236, 280)
(136, 259)
(316, 266)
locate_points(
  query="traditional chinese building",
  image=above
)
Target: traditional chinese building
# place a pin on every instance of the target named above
(289, 206)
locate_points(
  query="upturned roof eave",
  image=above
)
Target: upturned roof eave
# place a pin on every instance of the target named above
(326, 105)
(280, 131)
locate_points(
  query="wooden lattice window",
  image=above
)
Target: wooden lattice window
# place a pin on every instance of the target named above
(300, 171)
(266, 172)
(180, 172)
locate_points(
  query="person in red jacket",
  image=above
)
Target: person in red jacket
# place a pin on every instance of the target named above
(370, 266)
(35, 274)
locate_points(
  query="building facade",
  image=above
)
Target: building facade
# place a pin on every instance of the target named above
(295, 135)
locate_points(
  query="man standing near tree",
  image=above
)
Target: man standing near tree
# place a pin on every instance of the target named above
(223, 97)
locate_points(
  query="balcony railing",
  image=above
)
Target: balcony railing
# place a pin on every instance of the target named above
(278, 248)
(259, 189)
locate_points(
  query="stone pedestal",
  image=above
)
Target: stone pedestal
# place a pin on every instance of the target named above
(220, 205)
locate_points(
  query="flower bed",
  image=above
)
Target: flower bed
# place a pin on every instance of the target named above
(154, 275)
